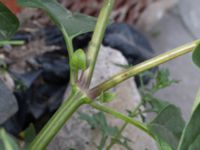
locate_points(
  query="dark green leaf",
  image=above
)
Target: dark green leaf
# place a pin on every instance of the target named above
(196, 55)
(163, 80)
(162, 144)
(89, 119)
(29, 134)
(167, 127)
(7, 142)
(190, 139)
(196, 102)
(8, 23)
(157, 105)
(73, 23)
(78, 60)
(99, 121)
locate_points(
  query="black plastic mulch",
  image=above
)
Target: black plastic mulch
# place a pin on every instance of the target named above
(41, 90)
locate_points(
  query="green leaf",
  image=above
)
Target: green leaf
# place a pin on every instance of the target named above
(163, 80)
(8, 24)
(162, 144)
(78, 60)
(106, 97)
(196, 55)
(29, 134)
(7, 142)
(89, 119)
(190, 139)
(99, 121)
(73, 23)
(196, 102)
(157, 105)
(167, 127)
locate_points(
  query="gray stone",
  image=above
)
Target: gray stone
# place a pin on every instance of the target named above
(77, 133)
(190, 12)
(154, 13)
(8, 103)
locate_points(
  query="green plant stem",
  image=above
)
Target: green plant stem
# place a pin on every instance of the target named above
(160, 59)
(114, 141)
(96, 41)
(70, 49)
(11, 43)
(57, 121)
(123, 117)
(133, 114)
(103, 141)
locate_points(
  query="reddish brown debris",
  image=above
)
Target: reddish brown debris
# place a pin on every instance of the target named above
(128, 11)
(12, 5)
(124, 10)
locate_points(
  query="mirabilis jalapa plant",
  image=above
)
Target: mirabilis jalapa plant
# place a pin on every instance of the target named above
(168, 128)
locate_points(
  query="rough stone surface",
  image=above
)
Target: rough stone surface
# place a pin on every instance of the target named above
(77, 133)
(8, 103)
(191, 18)
(154, 13)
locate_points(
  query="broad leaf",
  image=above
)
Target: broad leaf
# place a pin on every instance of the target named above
(157, 105)
(196, 102)
(8, 23)
(7, 142)
(190, 139)
(167, 127)
(196, 55)
(162, 144)
(73, 23)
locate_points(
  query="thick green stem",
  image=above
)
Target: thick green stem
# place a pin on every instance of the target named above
(57, 121)
(123, 117)
(70, 50)
(160, 59)
(11, 43)
(96, 41)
